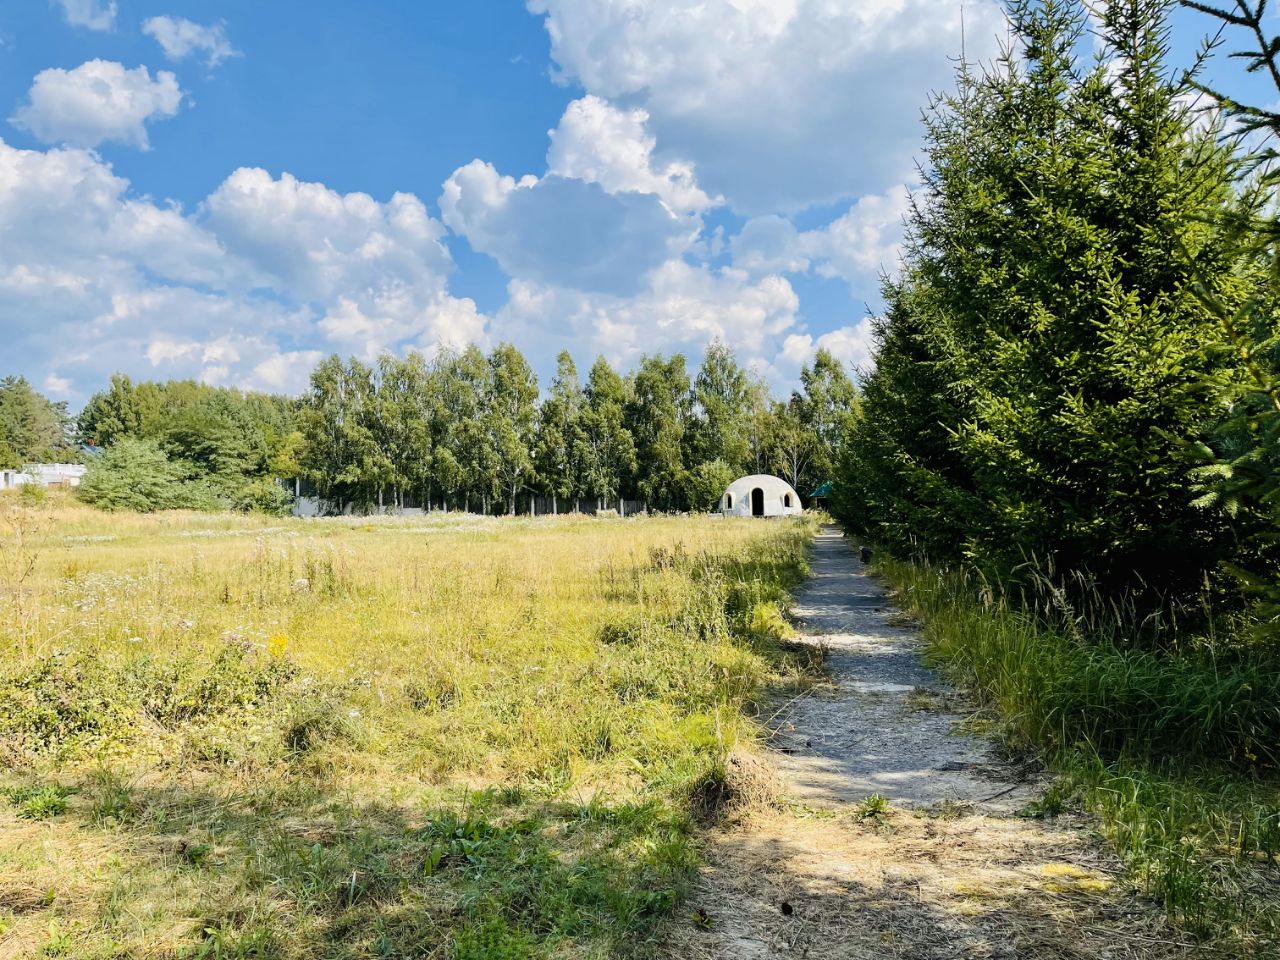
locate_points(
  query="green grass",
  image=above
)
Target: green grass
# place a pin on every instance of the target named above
(1177, 752)
(448, 737)
(36, 802)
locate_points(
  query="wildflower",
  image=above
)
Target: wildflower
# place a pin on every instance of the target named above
(276, 645)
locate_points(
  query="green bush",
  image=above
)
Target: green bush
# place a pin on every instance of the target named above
(32, 495)
(132, 475)
(263, 495)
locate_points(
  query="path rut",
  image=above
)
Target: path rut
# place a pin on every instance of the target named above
(951, 870)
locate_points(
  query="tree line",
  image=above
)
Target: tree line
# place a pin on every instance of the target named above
(460, 430)
(1075, 375)
(472, 431)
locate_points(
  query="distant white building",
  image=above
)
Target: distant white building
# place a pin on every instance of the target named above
(43, 475)
(760, 495)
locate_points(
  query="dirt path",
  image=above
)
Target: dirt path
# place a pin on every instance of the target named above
(949, 870)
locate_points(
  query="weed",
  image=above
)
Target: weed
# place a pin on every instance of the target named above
(39, 802)
(874, 807)
(1052, 802)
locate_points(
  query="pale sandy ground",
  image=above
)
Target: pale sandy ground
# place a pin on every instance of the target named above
(950, 871)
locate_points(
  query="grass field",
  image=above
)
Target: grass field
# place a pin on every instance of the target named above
(444, 737)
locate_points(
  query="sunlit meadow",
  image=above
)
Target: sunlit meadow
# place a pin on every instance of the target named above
(445, 736)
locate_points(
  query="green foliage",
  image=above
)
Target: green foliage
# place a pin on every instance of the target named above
(608, 452)
(706, 483)
(1070, 431)
(9, 458)
(824, 410)
(508, 423)
(1240, 458)
(137, 475)
(38, 802)
(561, 454)
(874, 807)
(725, 401)
(466, 430)
(219, 445)
(33, 429)
(263, 495)
(1045, 350)
(32, 495)
(659, 411)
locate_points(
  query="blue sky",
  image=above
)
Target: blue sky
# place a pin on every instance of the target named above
(229, 189)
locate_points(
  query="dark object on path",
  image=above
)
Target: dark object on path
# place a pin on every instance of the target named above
(866, 554)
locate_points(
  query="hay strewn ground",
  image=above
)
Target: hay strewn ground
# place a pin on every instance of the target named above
(454, 737)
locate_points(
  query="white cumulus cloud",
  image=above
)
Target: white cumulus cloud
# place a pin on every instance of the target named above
(849, 344)
(600, 143)
(781, 104)
(561, 231)
(268, 274)
(857, 246)
(92, 14)
(181, 38)
(97, 101)
(682, 307)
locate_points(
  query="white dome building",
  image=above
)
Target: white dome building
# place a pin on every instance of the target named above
(760, 496)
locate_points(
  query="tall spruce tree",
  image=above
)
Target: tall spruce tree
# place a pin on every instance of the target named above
(1048, 303)
(1239, 460)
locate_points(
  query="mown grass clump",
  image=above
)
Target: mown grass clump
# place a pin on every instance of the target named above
(1176, 750)
(442, 737)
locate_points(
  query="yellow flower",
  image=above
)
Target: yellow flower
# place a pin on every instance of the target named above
(276, 645)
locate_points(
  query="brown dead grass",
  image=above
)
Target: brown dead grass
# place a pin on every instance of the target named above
(916, 885)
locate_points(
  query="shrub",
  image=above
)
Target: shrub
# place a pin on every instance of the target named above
(263, 495)
(32, 495)
(131, 475)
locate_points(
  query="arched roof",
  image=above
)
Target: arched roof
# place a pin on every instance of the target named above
(771, 485)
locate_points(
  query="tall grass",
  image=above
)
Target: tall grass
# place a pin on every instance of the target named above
(1176, 750)
(449, 736)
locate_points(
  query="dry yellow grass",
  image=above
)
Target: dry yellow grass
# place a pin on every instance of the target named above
(353, 737)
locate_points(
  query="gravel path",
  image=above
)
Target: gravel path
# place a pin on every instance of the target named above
(950, 870)
(888, 725)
